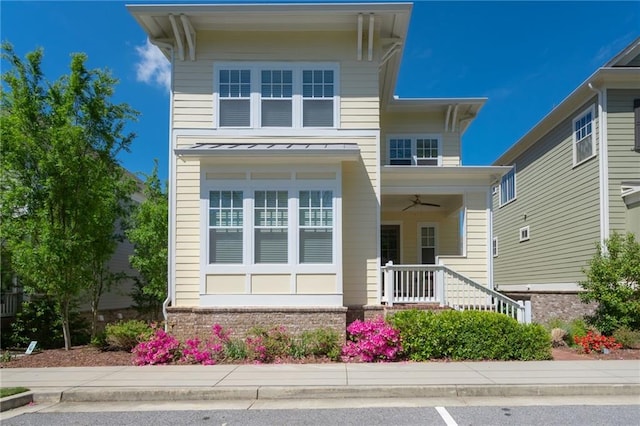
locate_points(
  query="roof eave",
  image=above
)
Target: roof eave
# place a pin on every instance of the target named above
(568, 106)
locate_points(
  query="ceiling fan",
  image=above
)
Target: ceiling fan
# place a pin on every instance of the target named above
(416, 202)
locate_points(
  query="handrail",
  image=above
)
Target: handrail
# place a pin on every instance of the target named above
(443, 285)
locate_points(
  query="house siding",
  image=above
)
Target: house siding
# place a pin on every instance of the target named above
(559, 203)
(624, 162)
(193, 80)
(475, 264)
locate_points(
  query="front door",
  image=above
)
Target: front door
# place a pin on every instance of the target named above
(390, 244)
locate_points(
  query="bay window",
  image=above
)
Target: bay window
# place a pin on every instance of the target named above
(293, 225)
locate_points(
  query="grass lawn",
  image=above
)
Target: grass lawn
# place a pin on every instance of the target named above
(11, 391)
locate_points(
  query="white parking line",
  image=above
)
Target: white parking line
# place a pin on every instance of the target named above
(446, 416)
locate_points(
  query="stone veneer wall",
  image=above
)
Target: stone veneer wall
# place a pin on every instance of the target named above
(186, 323)
(552, 305)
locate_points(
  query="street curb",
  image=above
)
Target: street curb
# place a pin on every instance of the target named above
(15, 401)
(159, 394)
(332, 392)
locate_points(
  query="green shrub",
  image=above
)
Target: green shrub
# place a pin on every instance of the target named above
(125, 335)
(270, 343)
(612, 282)
(319, 342)
(628, 338)
(469, 335)
(235, 350)
(39, 320)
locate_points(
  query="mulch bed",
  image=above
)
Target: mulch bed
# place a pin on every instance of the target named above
(89, 356)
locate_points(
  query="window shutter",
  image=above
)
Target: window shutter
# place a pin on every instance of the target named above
(636, 115)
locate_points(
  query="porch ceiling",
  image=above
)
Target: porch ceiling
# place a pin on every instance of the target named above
(439, 180)
(449, 203)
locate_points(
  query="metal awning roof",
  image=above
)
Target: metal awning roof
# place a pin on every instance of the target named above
(315, 151)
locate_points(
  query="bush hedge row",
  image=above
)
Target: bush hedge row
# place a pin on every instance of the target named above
(469, 335)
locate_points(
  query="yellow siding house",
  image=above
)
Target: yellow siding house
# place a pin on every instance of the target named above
(302, 192)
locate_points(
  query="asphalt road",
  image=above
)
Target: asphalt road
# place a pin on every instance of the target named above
(566, 415)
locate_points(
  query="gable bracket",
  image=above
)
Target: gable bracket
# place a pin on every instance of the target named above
(394, 45)
(190, 34)
(178, 36)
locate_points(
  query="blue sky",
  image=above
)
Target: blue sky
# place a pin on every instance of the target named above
(526, 57)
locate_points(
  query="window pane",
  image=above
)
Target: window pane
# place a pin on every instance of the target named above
(271, 246)
(234, 113)
(317, 113)
(316, 246)
(276, 113)
(225, 246)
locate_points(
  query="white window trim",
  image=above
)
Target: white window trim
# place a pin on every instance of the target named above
(255, 109)
(524, 233)
(414, 146)
(515, 187)
(249, 186)
(494, 246)
(574, 142)
(433, 225)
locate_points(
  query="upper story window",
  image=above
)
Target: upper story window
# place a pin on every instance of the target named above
(276, 95)
(583, 140)
(508, 187)
(234, 92)
(417, 150)
(277, 98)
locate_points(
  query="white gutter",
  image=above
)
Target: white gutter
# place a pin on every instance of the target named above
(171, 194)
(603, 164)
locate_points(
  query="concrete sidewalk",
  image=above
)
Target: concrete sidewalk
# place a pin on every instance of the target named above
(322, 381)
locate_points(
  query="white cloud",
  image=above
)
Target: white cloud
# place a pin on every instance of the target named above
(153, 67)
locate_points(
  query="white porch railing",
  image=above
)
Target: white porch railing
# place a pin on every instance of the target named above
(8, 304)
(442, 285)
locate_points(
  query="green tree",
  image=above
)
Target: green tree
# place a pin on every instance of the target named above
(613, 281)
(149, 235)
(61, 182)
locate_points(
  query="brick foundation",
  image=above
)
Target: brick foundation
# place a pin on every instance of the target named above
(551, 305)
(186, 323)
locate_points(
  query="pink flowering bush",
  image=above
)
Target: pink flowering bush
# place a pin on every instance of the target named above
(207, 352)
(371, 341)
(161, 348)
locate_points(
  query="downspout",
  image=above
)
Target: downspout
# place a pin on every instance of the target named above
(603, 165)
(171, 195)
